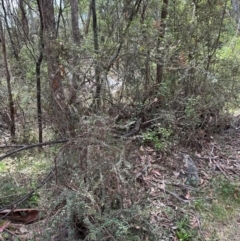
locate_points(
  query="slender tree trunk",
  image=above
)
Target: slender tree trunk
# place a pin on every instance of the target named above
(86, 28)
(161, 25)
(76, 39)
(96, 100)
(15, 52)
(31, 24)
(24, 20)
(38, 82)
(49, 35)
(8, 77)
(39, 105)
(147, 60)
(75, 18)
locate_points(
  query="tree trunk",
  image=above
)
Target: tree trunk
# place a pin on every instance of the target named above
(15, 51)
(8, 77)
(76, 39)
(24, 20)
(96, 99)
(38, 81)
(60, 111)
(39, 105)
(49, 35)
(161, 25)
(75, 18)
(147, 59)
(86, 28)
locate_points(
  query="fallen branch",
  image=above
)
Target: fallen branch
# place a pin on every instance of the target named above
(174, 195)
(50, 175)
(31, 146)
(9, 146)
(171, 193)
(135, 130)
(222, 171)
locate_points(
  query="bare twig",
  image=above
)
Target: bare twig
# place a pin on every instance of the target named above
(171, 193)
(222, 171)
(174, 195)
(152, 120)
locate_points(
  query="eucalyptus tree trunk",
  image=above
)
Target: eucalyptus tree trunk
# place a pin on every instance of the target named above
(8, 77)
(161, 25)
(77, 41)
(75, 19)
(46, 46)
(46, 9)
(39, 103)
(24, 20)
(59, 111)
(147, 59)
(86, 28)
(38, 78)
(31, 23)
(96, 98)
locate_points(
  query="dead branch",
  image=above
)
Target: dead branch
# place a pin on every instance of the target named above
(31, 146)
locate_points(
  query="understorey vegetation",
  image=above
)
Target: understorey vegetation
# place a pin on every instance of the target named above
(119, 120)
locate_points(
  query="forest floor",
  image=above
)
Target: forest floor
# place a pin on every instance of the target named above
(219, 170)
(210, 211)
(222, 221)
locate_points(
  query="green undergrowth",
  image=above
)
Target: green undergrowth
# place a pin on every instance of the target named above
(225, 198)
(95, 195)
(184, 232)
(22, 173)
(217, 206)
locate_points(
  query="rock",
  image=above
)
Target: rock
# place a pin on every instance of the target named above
(190, 171)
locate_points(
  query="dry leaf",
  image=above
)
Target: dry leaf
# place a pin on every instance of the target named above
(188, 196)
(23, 230)
(22, 215)
(176, 174)
(205, 174)
(194, 222)
(235, 195)
(156, 172)
(162, 186)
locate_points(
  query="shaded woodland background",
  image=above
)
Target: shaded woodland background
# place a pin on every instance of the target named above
(107, 77)
(125, 59)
